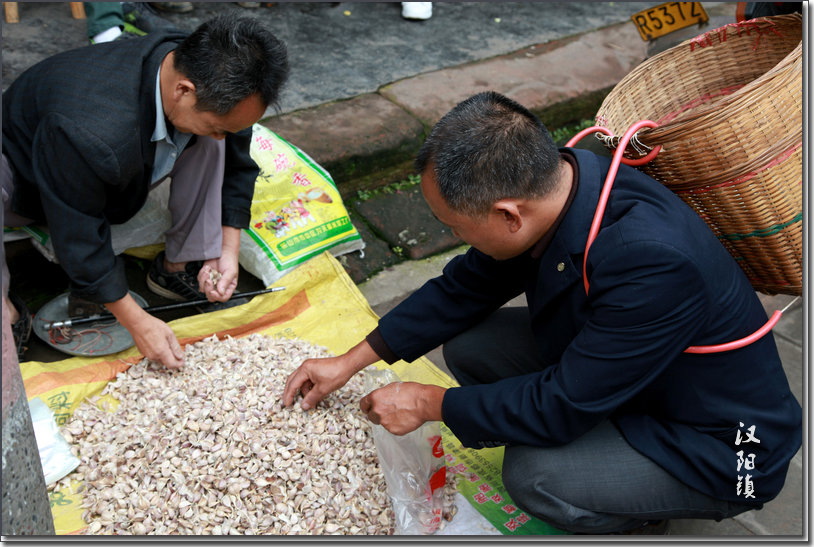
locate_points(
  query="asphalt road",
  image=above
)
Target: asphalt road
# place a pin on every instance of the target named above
(339, 50)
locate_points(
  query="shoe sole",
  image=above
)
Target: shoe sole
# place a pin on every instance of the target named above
(161, 291)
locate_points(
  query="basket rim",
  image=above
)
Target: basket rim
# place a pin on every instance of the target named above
(787, 67)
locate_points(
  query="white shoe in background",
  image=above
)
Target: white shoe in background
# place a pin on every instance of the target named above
(416, 10)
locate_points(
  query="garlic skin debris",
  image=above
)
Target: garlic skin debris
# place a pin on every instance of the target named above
(209, 449)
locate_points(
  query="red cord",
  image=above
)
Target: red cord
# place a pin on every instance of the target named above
(600, 211)
(609, 179)
(765, 329)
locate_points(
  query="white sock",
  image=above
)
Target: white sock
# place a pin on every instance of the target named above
(107, 35)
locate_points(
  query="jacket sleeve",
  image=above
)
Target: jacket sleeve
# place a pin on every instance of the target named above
(238, 181)
(472, 286)
(647, 303)
(73, 195)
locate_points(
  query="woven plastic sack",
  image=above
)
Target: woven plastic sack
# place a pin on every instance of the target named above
(297, 212)
(729, 108)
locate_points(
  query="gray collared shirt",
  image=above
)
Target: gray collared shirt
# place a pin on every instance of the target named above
(168, 147)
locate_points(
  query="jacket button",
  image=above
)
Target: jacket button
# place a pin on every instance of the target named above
(561, 267)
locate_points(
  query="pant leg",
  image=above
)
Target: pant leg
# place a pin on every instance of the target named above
(195, 202)
(5, 276)
(501, 346)
(102, 16)
(599, 484)
(596, 484)
(9, 217)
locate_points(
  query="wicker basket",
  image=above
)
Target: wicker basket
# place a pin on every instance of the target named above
(729, 108)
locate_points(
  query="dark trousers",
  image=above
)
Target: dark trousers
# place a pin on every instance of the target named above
(102, 16)
(597, 484)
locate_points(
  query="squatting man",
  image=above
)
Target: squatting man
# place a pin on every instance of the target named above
(88, 133)
(607, 423)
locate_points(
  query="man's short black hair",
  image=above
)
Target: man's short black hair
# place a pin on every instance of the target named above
(230, 58)
(489, 148)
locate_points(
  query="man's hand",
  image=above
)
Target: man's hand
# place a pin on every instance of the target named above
(402, 407)
(153, 337)
(223, 286)
(156, 341)
(316, 378)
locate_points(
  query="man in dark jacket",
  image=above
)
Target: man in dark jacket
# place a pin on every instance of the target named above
(607, 422)
(80, 157)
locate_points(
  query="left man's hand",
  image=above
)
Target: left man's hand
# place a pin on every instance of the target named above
(227, 266)
(402, 407)
(153, 337)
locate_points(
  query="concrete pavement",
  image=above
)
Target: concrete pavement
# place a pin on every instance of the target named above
(366, 135)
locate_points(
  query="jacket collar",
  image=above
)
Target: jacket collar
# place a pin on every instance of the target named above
(561, 263)
(161, 43)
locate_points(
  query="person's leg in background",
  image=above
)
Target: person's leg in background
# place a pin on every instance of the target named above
(105, 21)
(142, 18)
(18, 314)
(500, 346)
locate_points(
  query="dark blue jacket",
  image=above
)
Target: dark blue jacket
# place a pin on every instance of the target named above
(76, 132)
(659, 282)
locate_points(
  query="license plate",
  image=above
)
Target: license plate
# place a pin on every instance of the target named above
(668, 17)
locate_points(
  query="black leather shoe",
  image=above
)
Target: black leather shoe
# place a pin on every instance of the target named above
(649, 528)
(173, 7)
(144, 17)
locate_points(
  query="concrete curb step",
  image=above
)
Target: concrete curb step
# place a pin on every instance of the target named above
(370, 141)
(361, 140)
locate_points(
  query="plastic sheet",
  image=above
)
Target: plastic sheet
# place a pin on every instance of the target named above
(55, 452)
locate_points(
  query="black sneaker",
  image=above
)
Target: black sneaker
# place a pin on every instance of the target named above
(21, 329)
(144, 17)
(180, 286)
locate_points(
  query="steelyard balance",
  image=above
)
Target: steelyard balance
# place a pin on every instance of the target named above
(101, 334)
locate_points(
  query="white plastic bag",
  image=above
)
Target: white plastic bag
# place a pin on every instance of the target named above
(413, 466)
(55, 453)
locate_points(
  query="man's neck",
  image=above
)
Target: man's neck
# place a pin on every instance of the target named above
(553, 204)
(168, 77)
(553, 209)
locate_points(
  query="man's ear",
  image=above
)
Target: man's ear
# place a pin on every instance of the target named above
(183, 88)
(509, 214)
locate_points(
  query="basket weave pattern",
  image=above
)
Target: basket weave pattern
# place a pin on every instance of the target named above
(729, 108)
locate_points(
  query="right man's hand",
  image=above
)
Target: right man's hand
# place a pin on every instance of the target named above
(316, 378)
(153, 337)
